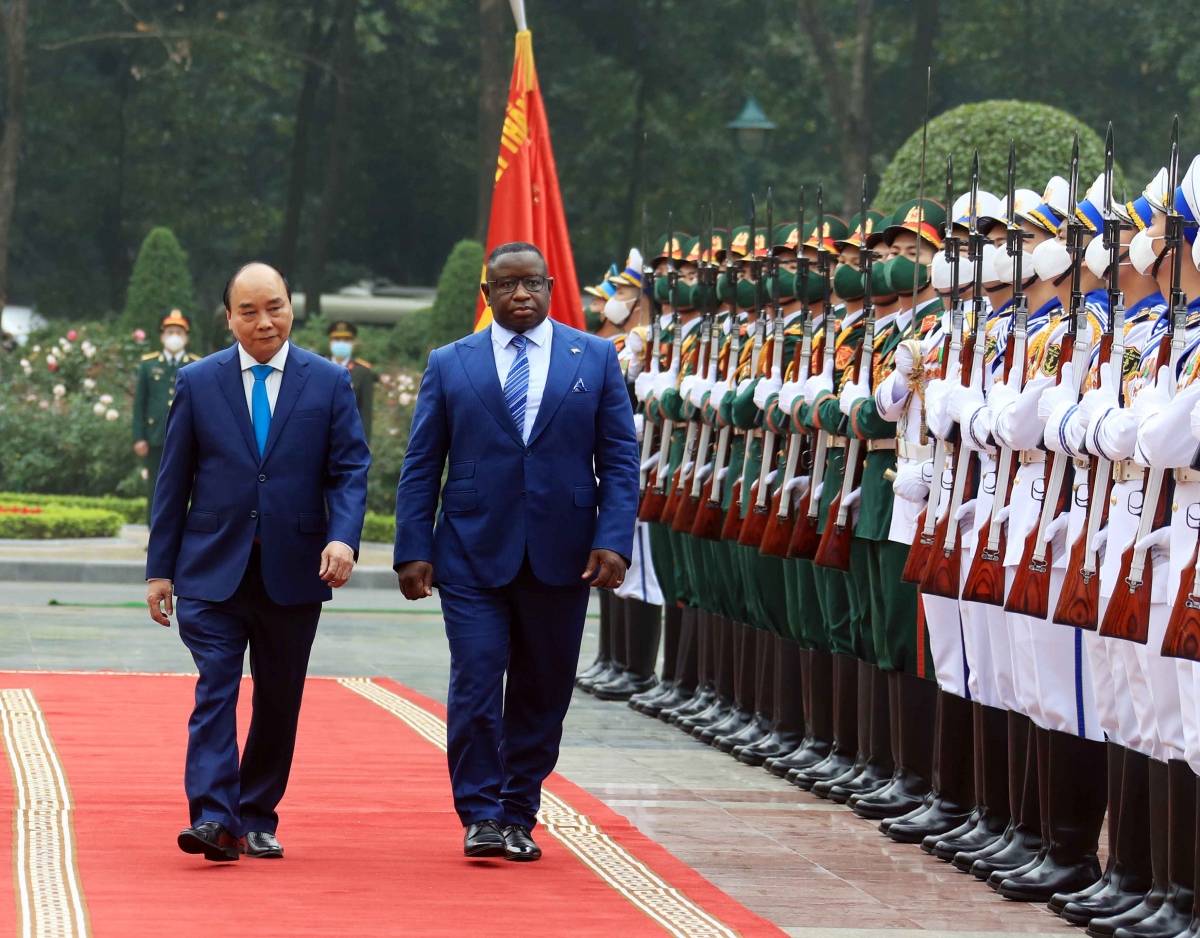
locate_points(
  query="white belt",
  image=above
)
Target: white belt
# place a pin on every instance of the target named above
(874, 446)
(1187, 475)
(838, 441)
(916, 452)
(1127, 471)
(1028, 457)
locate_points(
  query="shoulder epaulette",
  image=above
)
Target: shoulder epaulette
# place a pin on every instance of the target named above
(150, 356)
(365, 364)
(193, 358)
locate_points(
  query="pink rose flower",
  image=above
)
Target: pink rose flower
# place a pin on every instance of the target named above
(72, 335)
(139, 335)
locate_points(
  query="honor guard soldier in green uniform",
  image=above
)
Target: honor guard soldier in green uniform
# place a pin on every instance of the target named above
(343, 336)
(154, 394)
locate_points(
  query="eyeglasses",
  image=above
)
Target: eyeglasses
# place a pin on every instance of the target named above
(533, 284)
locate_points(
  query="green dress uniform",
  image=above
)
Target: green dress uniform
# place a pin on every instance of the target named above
(362, 380)
(151, 404)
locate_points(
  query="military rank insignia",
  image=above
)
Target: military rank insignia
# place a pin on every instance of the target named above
(1050, 362)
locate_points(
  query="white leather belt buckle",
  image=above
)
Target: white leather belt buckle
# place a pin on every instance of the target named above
(1127, 471)
(873, 446)
(913, 452)
(1187, 475)
(1030, 456)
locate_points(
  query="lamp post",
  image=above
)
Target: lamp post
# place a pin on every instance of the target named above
(752, 129)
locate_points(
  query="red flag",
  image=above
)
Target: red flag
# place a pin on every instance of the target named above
(526, 202)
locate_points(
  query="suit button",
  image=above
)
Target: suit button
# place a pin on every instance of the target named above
(254, 514)
(522, 494)
(528, 452)
(262, 478)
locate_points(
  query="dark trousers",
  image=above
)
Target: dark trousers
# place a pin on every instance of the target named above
(244, 797)
(502, 741)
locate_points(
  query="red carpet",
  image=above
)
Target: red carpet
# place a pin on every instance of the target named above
(373, 845)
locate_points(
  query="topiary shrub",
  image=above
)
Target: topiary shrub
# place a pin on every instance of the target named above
(133, 510)
(453, 313)
(57, 522)
(1043, 134)
(160, 282)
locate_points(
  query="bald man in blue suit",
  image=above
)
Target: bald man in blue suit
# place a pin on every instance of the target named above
(539, 505)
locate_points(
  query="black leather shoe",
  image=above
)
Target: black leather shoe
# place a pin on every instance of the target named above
(484, 839)
(261, 846)
(519, 845)
(212, 840)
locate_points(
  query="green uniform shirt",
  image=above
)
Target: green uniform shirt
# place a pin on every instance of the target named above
(154, 394)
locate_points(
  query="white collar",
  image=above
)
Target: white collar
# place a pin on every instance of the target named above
(539, 335)
(277, 360)
(174, 359)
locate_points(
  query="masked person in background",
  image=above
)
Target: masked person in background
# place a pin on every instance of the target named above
(343, 337)
(154, 394)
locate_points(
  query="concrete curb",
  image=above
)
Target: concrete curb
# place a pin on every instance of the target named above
(50, 570)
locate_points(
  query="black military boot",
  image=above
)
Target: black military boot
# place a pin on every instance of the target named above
(643, 626)
(954, 777)
(1078, 795)
(742, 713)
(1174, 916)
(816, 668)
(603, 650)
(663, 694)
(862, 721)
(764, 697)
(1159, 785)
(991, 815)
(696, 662)
(1023, 837)
(787, 730)
(686, 665)
(616, 644)
(880, 765)
(718, 686)
(1129, 875)
(914, 773)
(845, 729)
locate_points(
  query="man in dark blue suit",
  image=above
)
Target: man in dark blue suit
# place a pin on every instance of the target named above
(258, 512)
(539, 505)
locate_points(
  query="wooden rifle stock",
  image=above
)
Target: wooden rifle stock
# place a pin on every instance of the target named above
(1128, 613)
(1079, 602)
(778, 533)
(1183, 631)
(732, 526)
(653, 501)
(709, 518)
(833, 550)
(944, 569)
(685, 514)
(918, 553)
(754, 525)
(985, 579)
(671, 505)
(805, 540)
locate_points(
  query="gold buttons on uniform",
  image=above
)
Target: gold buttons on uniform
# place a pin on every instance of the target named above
(1175, 506)
(1114, 499)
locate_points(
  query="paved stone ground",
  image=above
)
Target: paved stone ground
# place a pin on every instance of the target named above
(809, 866)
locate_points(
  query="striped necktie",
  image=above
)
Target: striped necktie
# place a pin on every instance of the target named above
(516, 386)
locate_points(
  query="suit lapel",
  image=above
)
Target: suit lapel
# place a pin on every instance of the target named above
(230, 379)
(564, 365)
(295, 374)
(479, 362)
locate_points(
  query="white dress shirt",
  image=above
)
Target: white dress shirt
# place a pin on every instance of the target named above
(537, 350)
(273, 380)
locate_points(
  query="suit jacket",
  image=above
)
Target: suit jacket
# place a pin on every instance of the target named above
(572, 489)
(215, 494)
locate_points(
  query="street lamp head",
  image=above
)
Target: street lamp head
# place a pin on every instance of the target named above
(752, 127)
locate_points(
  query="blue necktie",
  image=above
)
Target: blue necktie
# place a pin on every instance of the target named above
(260, 406)
(516, 386)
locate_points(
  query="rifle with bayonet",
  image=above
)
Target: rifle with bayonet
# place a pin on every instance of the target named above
(986, 579)
(1079, 603)
(945, 560)
(651, 353)
(782, 521)
(655, 499)
(1128, 613)
(709, 517)
(834, 550)
(755, 522)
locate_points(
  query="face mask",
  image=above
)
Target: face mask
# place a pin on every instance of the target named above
(662, 291)
(1051, 260)
(745, 294)
(1196, 254)
(684, 296)
(1096, 256)
(174, 343)
(848, 281)
(880, 287)
(1006, 265)
(989, 262)
(903, 272)
(617, 311)
(725, 290)
(1142, 253)
(340, 348)
(940, 272)
(815, 288)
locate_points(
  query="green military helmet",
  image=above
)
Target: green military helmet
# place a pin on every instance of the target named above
(740, 241)
(692, 251)
(930, 214)
(834, 230)
(876, 222)
(658, 250)
(784, 238)
(719, 243)
(875, 232)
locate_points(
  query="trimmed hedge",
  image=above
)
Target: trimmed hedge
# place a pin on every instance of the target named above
(1043, 134)
(60, 522)
(131, 510)
(379, 528)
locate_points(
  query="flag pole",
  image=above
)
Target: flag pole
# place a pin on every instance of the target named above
(518, 9)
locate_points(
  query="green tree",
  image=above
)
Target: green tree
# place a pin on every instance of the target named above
(1044, 138)
(160, 282)
(453, 313)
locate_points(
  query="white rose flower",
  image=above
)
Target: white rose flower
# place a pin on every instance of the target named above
(51, 360)
(24, 362)
(43, 404)
(30, 398)
(98, 409)
(89, 383)
(59, 390)
(106, 399)
(111, 415)
(406, 399)
(145, 474)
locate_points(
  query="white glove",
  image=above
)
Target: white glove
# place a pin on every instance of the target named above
(1099, 544)
(643, 384)
(798, 488)
(1153, 397)
(904, 360)
(963, 403)
(742, 385)
(1158, 543)
(764, 389)
(1196, 421)
(937, 404)
(851, 394)
(852, 499)
(699, 388)
(639, 425)
(911, 483)
(966, 513)
(1056, 534)
(719, 390)
(1002, 395)
(650, 463)
(788, 394)
(1002, 515)
(819, 384)
(685, 387)
(662, 381)
(1061, 393)
(816, 495)
(1098, 399)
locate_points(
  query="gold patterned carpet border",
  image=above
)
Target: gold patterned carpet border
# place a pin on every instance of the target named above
(670, 908)
(49, 899)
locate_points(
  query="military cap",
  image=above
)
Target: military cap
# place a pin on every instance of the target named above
(1187, 200)
(988, 210)
(719, 244)
(930, 214)
(176, 318)
(631, 276)
(855, 235)
(740, 241)
(1140, 212)
(658, 250)
(834, 230)
(1052, 210)
(762, 238)
(342, 330)
(692, 251)
(784, 238)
